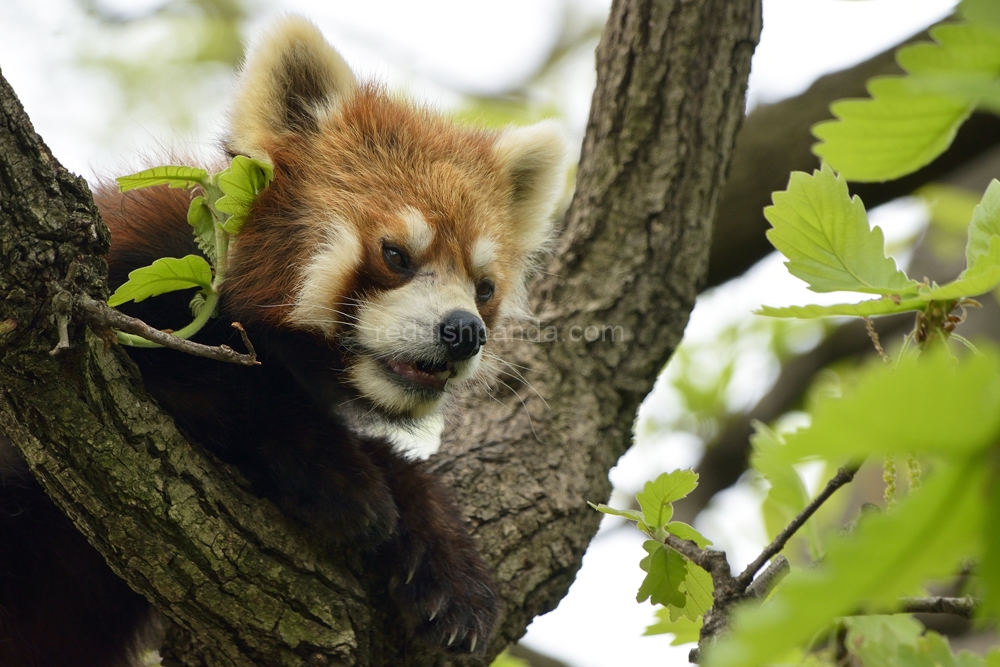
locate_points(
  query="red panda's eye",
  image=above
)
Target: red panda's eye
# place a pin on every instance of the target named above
(484, 290)
(395, 258)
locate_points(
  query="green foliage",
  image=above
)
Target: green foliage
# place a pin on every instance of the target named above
(787, 495)
(910, 120)
(241, 183)
(507, 660)
(826, 238)
(684, 589)
(215, 215)
(889, 556)
(167, 274)
(892, 641)
(684, 630)
(950, 207)
(172, 175)
(825, 235)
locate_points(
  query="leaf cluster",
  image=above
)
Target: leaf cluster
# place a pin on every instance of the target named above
(216, 215)
(683, 588)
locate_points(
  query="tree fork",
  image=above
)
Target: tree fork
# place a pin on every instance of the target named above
(247, 585)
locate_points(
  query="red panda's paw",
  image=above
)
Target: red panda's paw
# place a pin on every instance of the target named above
(448, 595)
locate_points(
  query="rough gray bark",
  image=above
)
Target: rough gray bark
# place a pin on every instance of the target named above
(251, 587)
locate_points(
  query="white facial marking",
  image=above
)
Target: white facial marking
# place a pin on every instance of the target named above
(484, 251)
(419, 233)
(403, 325)
(323, 281)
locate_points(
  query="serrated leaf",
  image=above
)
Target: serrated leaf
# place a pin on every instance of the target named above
(924, 404)
(631, 515)
(985, 225)
(686, 532)
(874, 307)
(978, 279)
(665, 571)
(698, 588)
(684, 630)
(167, 274)
(826, 238)
(656, 496)
(900, 129)
(175, 176)
(201, 220)
(894, 133)
(241, 183)
(888, 555)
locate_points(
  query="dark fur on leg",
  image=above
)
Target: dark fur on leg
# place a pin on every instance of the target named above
(440, 582)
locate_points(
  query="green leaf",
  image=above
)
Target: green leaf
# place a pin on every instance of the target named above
(241, 183)
(167, 274)
(665, 571)
(172, 175)
(631, 515)
(889, 555)
(507, 660)
(903, 127)
(884, 306)
(698, 588)
(684, 630)
(686, 532)
(876, 639)
(978, 279)
(989, 566)
(924, 404)
(656, 496)
(951, 207)
(985, 225)
(787, 496)
(826, 238)
(201, 220)
(892, 134)
(984, 13)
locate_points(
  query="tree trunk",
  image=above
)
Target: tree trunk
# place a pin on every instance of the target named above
(246, 585)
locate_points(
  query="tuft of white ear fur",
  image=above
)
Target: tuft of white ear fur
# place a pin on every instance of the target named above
(291, 80)
(534, 160)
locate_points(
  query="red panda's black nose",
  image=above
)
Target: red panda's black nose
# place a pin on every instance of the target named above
(462, 334)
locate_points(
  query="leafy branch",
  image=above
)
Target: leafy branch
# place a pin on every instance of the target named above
(216, 215)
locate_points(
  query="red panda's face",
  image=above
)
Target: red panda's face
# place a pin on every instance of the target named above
(388, 231)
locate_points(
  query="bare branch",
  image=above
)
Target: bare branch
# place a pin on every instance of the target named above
(103, 318)
(963, 606)
(843, 476)
(769, 578)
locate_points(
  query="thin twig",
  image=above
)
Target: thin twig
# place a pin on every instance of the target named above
(103, 317)
(843, 476)
(963, 606)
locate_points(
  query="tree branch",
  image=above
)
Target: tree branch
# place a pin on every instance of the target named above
(105, 318)
(843, 476)
(963, 606)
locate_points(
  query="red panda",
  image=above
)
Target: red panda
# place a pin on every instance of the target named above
(368, 276)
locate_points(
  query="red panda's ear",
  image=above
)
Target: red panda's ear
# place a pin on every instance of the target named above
(291, 80)
(533, 158)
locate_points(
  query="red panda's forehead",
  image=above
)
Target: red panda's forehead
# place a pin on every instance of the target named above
(379, 161)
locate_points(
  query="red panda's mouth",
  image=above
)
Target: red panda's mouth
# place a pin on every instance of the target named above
(424, 373)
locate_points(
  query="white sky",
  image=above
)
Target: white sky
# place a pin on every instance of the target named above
(426, 48)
